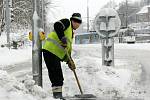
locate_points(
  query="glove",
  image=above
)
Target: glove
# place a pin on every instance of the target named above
(64, 42)
(71, 65)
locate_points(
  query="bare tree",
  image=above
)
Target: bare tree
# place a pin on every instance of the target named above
(23, 11)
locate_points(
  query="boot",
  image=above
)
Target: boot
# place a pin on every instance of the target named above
(57, 92)
(57, 95)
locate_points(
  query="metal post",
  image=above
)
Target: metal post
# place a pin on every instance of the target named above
(7, 20)
(108, 52)
(36, 45)
(103, 52)
(148, 14)
(108, 45)
(112, 52)
(43, 14)
(87, 15)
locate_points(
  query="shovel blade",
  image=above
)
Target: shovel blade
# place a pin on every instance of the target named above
(82, 97)
(85, 96)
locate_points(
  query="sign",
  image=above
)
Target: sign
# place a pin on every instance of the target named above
(107, 23)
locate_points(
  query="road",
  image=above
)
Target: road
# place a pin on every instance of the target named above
(21, 69)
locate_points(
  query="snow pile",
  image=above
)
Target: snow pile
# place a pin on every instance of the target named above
(99, 80)
(11, 89)
(103, 81)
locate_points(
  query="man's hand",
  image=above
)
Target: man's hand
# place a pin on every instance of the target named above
(64, 42)
(71, 65)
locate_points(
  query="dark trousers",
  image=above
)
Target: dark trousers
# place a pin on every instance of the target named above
(53, 64)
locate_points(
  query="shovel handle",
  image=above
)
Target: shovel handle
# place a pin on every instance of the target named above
(78, 82)
(76, 77)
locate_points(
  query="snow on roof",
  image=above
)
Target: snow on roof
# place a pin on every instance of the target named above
(140, 25)
(85, 33)
(143, 10)
(123, 30)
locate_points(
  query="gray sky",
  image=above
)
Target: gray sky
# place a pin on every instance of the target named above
(67, 7)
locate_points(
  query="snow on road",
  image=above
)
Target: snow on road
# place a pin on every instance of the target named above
(13, 56)
(121, 81)
(10, 57)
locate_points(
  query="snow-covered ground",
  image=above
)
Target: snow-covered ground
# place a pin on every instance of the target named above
(121, 81)
(13, 56)
(103, 81)
(10, 57)
(12, 89)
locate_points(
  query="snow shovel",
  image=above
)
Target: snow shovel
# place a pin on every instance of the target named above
(79, 96)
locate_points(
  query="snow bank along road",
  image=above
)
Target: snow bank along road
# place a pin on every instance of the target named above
(134, 53)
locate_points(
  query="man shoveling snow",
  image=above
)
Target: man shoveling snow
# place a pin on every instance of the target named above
(54, 50)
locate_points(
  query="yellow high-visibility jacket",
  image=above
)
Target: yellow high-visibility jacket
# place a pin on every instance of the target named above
(53, 43)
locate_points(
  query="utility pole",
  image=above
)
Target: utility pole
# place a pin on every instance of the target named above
(43, 16)
(127, 17)
(2, 17)
(87, 15)
(36, 44)
(126, 13)
(7, 20)
(148, 10)
(136, 18)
